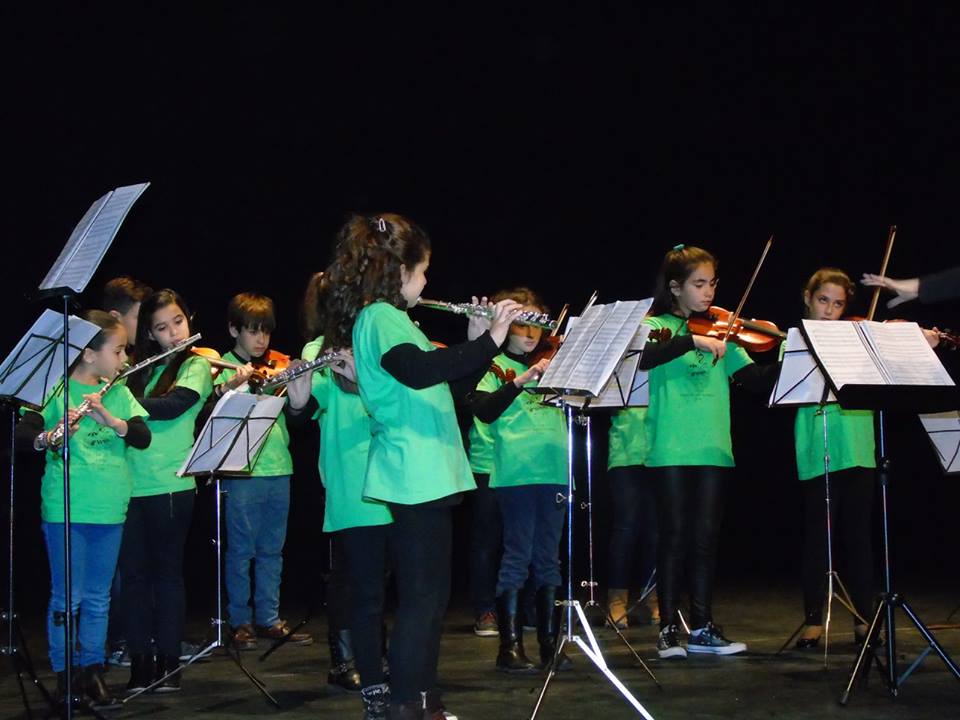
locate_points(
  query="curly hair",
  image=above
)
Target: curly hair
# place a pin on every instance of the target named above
(368, 255)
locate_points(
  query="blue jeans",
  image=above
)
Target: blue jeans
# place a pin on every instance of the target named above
(532, 524)
(93, 555)
(256, 529)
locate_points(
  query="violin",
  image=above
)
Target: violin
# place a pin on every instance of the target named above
(265, 367)
(752, 335)
(271, 362)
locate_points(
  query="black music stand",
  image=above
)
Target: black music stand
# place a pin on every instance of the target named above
(229, 445)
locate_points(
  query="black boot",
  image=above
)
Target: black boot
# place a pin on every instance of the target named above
(166, 663)
(343, 670)
(547, 629)
(96, 689)
(141, 672)
(433, 707)
(511, 657)
(76, 689)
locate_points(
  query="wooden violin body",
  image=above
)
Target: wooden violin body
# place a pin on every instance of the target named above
(753, 335)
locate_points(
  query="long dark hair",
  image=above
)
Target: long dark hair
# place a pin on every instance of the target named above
(678, 265)
(311, 309)
(366, 267)
(145, 347)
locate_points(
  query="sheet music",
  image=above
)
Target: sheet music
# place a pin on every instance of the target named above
(943, 429)
(842, 352)
(625, 388)
(594, 347)
(905, 354)
(36, 364)
(91, 238)
(218, 449)
(800, 381)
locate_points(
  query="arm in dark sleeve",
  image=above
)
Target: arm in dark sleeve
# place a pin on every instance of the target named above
(174, 404)
(301, 418)
(659, 353)
(944, 285)
(138, 434)
(757, 379)
(30, 425)
(488, 406)
(420, 369)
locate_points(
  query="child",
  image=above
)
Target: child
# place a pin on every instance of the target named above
(360, 527)
(100, 486)
(151, 554)
(688, 421)
(529, 471)
(121, 298)
(416, 463)
(634, 513)
(256, 506)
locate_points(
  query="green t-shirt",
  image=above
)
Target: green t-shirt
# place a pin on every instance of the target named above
(154, 470)
(274, 458)
(688, 421)
(529, 438)
(850, 434)
(628, 438)
(481, 448)
(100, 479)
(416, 452)
(344, 447)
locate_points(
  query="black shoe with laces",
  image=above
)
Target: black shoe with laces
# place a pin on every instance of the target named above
(668, 644)
(709, 639)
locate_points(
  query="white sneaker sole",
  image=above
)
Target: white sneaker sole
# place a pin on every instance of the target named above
(731, 649)
(486, 633)
(674, 652)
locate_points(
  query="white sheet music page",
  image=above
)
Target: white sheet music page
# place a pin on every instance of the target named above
(943, 429)
(800, 381)
(595, 346)
(622, 388)
(36, 364)
(905, 354)
(842, 353)
(91, 238)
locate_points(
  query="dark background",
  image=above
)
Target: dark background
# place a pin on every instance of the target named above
(566, 149)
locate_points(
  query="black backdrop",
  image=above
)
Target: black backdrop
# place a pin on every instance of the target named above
(566, 149)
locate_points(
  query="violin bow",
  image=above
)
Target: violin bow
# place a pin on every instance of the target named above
(883, 270)
(746, 293)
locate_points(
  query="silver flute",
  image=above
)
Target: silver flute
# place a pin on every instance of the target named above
(56, 435)
(527, 317)
(283, 377)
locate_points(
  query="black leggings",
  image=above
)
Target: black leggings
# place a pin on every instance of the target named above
(690, 509)
(851, 505)
(633, 497)
(420, 558)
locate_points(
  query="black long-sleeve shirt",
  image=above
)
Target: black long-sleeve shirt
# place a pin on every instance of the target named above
(172, 405)
(941, 286)
(461, 366)
(487, 407)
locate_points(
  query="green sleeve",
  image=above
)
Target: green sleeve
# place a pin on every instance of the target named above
(736, 359)
(322, 380)
(489, 383)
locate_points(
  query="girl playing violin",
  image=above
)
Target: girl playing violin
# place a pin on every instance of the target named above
(690, 455)
(416, 464)
(528, 472)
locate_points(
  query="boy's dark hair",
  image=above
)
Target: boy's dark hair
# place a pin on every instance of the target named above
(122, 293)
(251, 311)
(678, 265)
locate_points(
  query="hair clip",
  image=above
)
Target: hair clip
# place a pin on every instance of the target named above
(678, 248)
(381, 225)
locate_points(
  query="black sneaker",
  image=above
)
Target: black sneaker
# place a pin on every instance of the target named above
(710, 639)
(668, 644)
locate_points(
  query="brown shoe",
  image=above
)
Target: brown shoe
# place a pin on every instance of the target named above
(281, 628)
(244, 637)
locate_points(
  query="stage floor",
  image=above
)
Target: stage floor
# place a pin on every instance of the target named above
(758, 684)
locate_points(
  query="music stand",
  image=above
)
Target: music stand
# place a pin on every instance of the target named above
(800, 383)
(66, 279)
(27, 375)
(229, 445)
(873, 366)
(592, 350)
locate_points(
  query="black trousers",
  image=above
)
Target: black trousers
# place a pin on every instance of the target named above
(634, 533)
(851, 503)
(420, 557)
(151, 563)
(363, 554)
(486, 530)
(689, 510)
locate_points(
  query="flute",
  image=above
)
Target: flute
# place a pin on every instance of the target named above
(527, 317)
(282, 377)
(56, 435)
